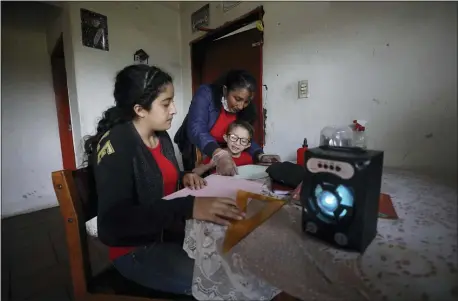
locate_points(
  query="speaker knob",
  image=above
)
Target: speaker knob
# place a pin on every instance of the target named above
(341, 239)
(311, 227)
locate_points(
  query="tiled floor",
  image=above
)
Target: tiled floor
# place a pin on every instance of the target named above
(34, 258)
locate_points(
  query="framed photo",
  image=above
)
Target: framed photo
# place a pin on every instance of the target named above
(228, 5)
(94, 29)
(200, 17)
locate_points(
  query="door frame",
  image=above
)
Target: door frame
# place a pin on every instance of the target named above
(58, 54)
(199, 45)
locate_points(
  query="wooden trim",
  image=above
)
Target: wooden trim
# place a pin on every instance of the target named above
(62, 103)
(260, 92)
(196, 68)
(67, 196)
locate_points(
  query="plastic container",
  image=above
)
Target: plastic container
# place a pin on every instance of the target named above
(336, 136)
(359, 133)
(301, 153)
(326, 135)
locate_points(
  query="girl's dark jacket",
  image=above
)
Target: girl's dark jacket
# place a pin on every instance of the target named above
(131, 208)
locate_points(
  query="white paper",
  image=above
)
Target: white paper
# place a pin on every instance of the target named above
(220, 186)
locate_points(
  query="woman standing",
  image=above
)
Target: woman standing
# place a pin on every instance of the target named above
(212, 109)
(135, 166)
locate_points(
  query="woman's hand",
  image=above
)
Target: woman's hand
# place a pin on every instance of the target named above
(193, 181)
(216, 210)
(203, 168)
(264, 158)
(225, 165)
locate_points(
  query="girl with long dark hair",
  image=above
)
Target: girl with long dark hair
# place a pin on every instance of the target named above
(134, 165)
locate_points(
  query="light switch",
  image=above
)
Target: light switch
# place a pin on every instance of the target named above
(303, 89)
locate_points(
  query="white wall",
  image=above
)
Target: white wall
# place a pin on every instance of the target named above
(27, 93)
(30, 138)
(393, 64)
(152, 26)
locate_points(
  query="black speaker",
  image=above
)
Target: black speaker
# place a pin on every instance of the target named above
(340, 195)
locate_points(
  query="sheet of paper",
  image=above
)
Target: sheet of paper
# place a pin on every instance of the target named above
(220, 186)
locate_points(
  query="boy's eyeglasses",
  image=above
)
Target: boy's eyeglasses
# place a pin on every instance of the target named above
(235, 138)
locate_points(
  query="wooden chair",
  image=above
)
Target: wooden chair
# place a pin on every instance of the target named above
(75, 191)
(199, 157)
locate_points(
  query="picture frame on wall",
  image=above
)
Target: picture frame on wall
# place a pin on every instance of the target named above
(200, 18)
(94, 30)
(228, 5)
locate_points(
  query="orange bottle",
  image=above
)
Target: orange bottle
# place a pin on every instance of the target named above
(301, 153)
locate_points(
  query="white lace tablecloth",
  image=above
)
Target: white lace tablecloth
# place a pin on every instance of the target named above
(221, 277)
(218, 277)
(241, 273)
(412, 258)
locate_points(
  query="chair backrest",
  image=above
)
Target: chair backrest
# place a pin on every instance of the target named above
(76, 193)
(199, 157)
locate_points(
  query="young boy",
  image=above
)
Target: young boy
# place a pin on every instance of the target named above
(238, 138)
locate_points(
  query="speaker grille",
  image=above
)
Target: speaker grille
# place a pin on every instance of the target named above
(332, 204)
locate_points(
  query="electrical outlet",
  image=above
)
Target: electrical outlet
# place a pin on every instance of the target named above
(303, 89)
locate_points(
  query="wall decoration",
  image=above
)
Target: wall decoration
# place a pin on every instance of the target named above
(228, 5)
(141, 57)
(200, 18)
(94, 29)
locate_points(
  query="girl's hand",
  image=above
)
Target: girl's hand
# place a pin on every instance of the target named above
(193, 181)
(217, 210)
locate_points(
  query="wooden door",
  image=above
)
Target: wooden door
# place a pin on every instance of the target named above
(63, 107)
(238, 51)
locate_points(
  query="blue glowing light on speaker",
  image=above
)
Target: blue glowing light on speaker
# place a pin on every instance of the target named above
(328, 202)
(346, 195)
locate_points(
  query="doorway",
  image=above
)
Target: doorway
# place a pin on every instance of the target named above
(59, 77)
(219, 51)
